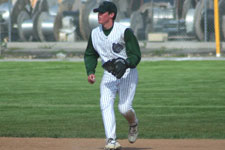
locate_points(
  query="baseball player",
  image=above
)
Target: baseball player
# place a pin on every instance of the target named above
(120, 53)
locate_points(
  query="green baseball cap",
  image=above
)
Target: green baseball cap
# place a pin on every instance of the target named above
(106, 6)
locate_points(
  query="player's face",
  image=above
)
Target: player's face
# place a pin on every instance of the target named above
(104, 18)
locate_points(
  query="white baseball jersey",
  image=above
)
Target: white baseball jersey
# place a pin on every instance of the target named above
(109, 47)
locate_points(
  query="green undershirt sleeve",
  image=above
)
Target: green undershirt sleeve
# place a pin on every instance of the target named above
(132, 48)
(90, 58)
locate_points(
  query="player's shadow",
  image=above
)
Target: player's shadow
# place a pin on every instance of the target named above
(135, 148)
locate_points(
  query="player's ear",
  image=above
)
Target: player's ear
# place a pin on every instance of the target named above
(112, 14)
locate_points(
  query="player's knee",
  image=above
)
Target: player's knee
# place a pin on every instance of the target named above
(104, 104)
(124, 109)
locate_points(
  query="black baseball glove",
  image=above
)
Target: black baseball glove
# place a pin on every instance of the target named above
(116, 66)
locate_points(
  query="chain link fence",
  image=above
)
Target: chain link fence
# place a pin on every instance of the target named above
(151, 20)
(178, 20)
(73, 20)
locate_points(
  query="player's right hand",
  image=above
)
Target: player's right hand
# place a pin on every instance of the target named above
(91, 78)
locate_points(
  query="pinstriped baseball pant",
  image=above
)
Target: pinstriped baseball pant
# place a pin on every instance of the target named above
(125, 87)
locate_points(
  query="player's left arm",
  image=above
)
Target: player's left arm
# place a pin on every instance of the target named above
(132, 48)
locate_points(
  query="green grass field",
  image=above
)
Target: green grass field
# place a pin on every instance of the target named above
(174, 99)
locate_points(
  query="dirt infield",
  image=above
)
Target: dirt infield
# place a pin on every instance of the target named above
(98, 144)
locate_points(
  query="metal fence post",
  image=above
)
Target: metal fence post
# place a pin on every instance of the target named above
(206, 21)
(9, 26)
(217, 27)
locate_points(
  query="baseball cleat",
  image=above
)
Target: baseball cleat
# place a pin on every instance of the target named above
(133, 133)
(112, 144)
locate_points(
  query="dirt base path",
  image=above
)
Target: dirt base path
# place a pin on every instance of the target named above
(98, 144)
